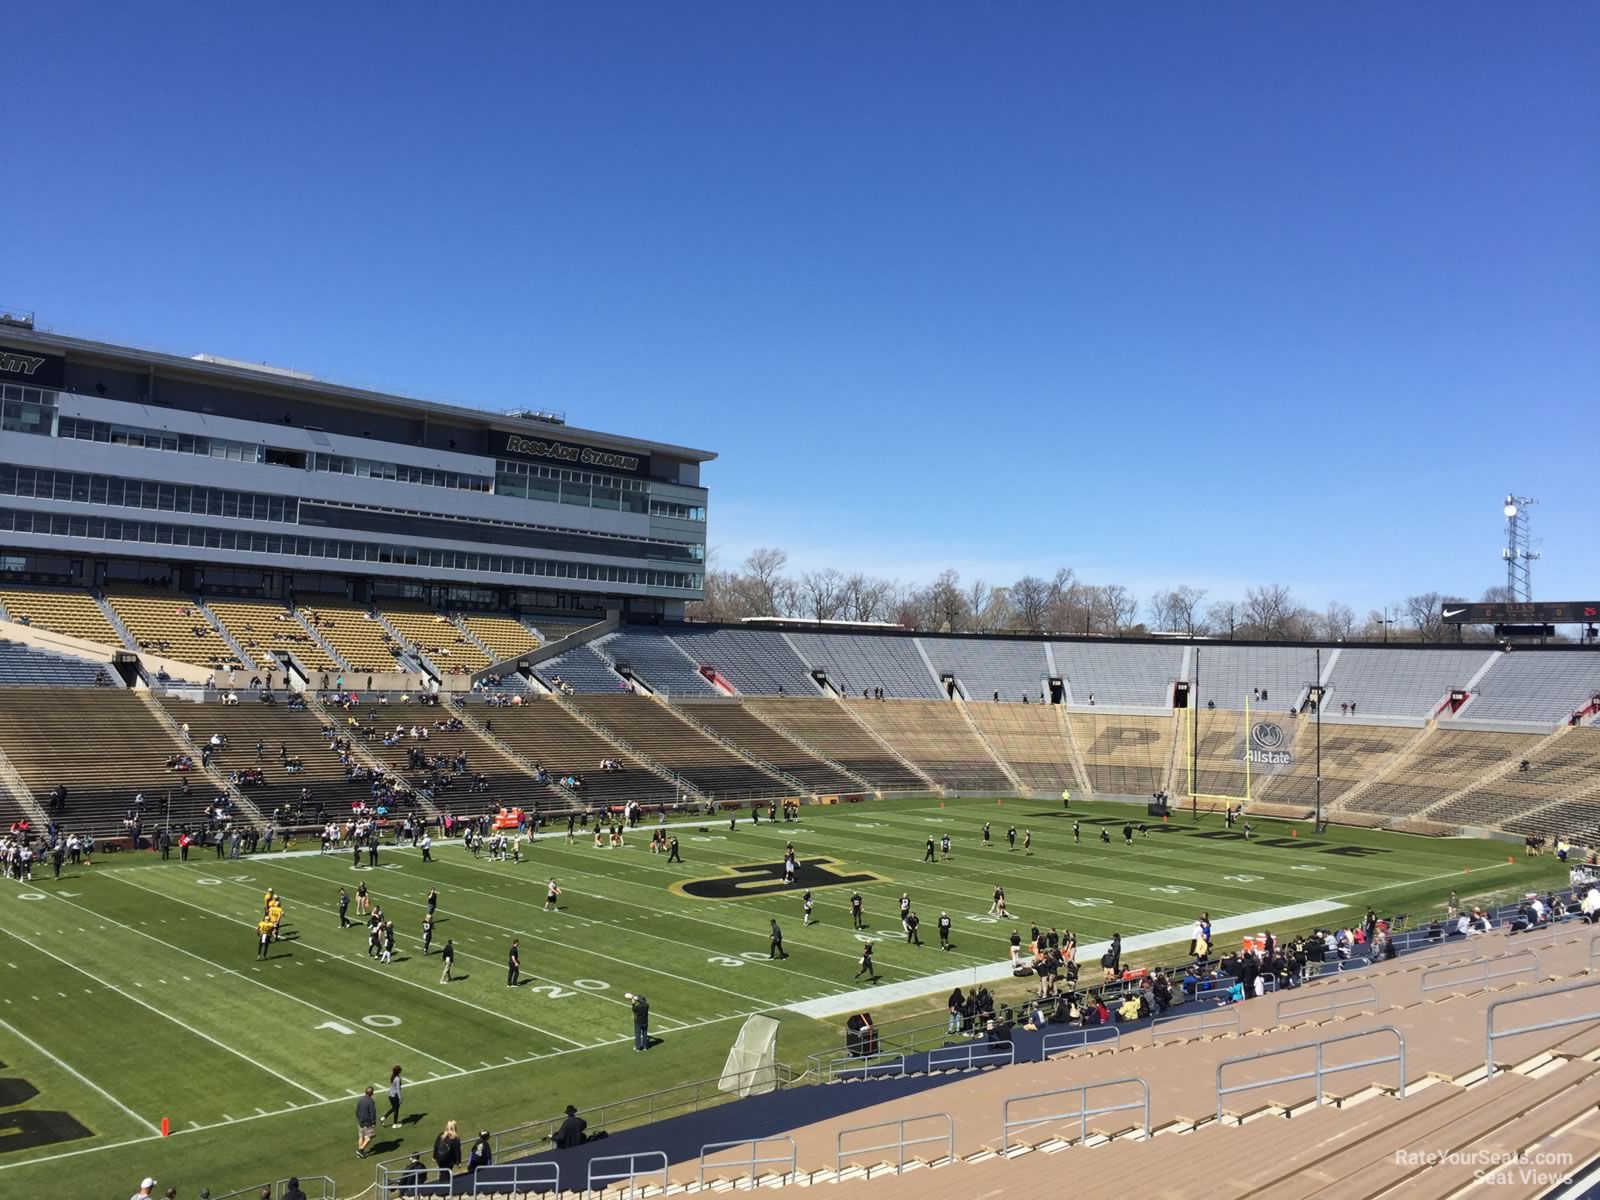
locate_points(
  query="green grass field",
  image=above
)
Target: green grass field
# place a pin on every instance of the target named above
(131, 990)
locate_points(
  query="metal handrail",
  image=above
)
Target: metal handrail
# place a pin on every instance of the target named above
(1053, 1043)
(1491, 1033)
(868, 1065)
(901, 1143)
(1319, 1070)
(424, 1180)
(1213, 987)
(1082, 1115)
(1329, 1001)
(967, 1058)
(1484, 968)
(632, 1174)
(753, 1161)
(532, 1137)
(307, 1184)
(1212, 1019)
(540, 1176)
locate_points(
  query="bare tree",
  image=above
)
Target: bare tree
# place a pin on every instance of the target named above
(1338, 622)
(947, 604)
(980, 599)
(863, 598)
(1160, 609)
(1185, 603)
(1177, 610)
(822, 594)
(1424, 612)
(1118, 608)
(903, 604)
(1267, 610)
(1029, 597)
(764, 568)
(1225, 616)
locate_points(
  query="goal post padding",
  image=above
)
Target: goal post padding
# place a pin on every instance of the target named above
(751, 1069)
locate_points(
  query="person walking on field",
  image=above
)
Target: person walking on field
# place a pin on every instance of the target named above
(775, 942)
(448, 956)
(392, 1117)
(366, 1121)
(867, 968)
(513, 965)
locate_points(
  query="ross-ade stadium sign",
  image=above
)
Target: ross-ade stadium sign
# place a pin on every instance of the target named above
(585, 455)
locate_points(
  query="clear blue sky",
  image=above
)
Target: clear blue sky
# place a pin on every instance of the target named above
(1215, 293)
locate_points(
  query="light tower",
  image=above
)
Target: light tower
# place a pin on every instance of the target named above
(1518, 551)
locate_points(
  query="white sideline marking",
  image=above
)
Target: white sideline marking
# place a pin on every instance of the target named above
(888, 993)
(81, 1078)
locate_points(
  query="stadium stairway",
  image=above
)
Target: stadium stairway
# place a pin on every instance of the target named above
(983, 739)
(737, 725)
(652, 728)
(934, 737)
(245, 808)
(17, 799)
(361, 750)
(104, 745)
(1363, 1140)
(552, 730)
(552, 799)
(828, 728)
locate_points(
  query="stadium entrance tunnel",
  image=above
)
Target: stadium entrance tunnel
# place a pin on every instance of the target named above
(766, 879)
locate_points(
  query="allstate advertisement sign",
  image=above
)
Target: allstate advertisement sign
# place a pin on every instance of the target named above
(1266, 747)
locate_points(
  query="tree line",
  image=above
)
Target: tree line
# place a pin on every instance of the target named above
(762, 586)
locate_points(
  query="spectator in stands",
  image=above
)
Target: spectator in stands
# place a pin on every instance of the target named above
(292, 1190)
(1591, 904)
(482, 1153)
(572, 1132)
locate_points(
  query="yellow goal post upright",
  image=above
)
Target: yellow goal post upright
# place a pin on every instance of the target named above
(1214, 756)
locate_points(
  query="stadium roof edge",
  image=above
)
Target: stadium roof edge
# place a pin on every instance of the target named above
(278, 380)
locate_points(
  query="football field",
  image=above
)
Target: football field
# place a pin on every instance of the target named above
(131, 993)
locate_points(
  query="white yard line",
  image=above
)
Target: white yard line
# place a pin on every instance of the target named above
(299, 1087)
(569, 946)
(355, 1022)
(79, 1076)
(282, 1112)
(338, 957)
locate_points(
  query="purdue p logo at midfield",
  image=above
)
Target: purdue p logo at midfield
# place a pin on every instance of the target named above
(766, 879)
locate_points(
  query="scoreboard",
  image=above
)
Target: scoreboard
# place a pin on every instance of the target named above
(1531, 613)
